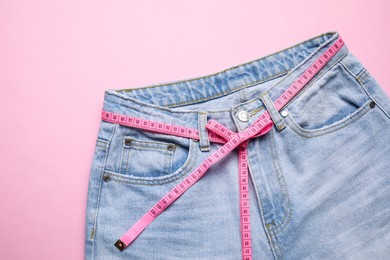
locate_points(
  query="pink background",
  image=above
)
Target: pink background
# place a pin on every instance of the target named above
(58, 57)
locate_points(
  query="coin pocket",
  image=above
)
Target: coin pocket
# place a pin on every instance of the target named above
(143, 158)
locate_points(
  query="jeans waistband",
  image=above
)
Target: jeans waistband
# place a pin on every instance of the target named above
(174, 101)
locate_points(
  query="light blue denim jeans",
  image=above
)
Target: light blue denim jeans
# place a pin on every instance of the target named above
(320, 179)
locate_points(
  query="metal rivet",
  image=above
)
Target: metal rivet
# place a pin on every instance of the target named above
(243, 116)
(120, 245)
(127, 141)
(284, 113)
(171, 147)
(372, 104)
(106, 177)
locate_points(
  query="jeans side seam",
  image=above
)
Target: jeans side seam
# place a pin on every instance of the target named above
(362, 82)
(362, 76)
(94, 227)
(358, 77)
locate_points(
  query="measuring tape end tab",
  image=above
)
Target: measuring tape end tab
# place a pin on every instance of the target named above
(120, 245)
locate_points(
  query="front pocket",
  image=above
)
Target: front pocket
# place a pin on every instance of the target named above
(334, 99)
(146, 157)
(143, 158)
(331, 128)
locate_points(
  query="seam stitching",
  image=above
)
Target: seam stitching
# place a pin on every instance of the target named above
(187, 166)
(334, 33)
(362, 82)
(341, 124)
(260, 203)
(113, 128)
(274, 242)
(228, 92)
(314, 80)
(282, 183)
(272, 111)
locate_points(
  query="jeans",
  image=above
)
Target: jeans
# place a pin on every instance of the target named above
(319, 179)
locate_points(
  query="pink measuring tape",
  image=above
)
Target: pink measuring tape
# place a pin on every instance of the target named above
(220, 134)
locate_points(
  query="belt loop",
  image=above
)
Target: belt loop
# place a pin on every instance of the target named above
(275, 115)
(204, 142)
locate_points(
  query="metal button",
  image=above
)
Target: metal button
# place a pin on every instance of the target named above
(106, 177)
(284, 113)
(243, 116)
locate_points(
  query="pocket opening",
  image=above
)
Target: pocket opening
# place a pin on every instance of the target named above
(330, 100)
(351, 118)
(144, 158)
(181, 168)
(148, 158)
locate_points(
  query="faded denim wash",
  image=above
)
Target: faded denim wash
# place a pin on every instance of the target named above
(320, 179)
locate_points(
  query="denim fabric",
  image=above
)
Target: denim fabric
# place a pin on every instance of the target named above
(319, 188)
